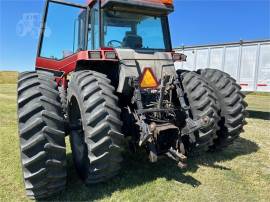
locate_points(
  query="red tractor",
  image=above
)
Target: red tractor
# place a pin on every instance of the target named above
(105, 76)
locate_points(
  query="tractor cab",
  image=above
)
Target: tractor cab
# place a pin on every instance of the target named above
(138, 25)
(105, 35)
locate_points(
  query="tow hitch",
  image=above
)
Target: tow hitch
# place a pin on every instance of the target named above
(155, 116)
(179, 157)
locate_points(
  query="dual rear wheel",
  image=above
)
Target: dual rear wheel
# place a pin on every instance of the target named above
(95, 136)
(231, 102)
(216, 94)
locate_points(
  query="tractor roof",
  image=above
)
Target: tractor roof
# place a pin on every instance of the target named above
(155, 6)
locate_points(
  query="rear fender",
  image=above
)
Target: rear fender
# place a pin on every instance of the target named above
(132, 64)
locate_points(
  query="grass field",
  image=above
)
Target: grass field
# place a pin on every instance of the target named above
(8, 77)
(239, 173)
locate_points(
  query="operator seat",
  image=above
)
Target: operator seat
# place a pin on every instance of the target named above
(132, 40)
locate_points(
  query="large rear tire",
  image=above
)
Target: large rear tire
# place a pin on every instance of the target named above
(41, 133)
(232, 103)
(202, 102)
(95, 125)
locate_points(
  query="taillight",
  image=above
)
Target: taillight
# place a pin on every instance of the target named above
(110, 55)
(179, 57)
(148, 79)
(94, 54)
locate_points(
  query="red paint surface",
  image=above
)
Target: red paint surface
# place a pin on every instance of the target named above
(66, 65)
(69, 64)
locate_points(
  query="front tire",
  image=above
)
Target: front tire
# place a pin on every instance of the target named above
(95, 125)
(41, 132)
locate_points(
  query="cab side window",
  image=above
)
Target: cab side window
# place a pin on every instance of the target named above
(67, 28)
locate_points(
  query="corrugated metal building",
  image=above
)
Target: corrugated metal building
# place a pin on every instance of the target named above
(248, 62)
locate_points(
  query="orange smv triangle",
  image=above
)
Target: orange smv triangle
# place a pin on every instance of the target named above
(148, 80)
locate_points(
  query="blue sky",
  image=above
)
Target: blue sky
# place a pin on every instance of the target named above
(193, 22)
